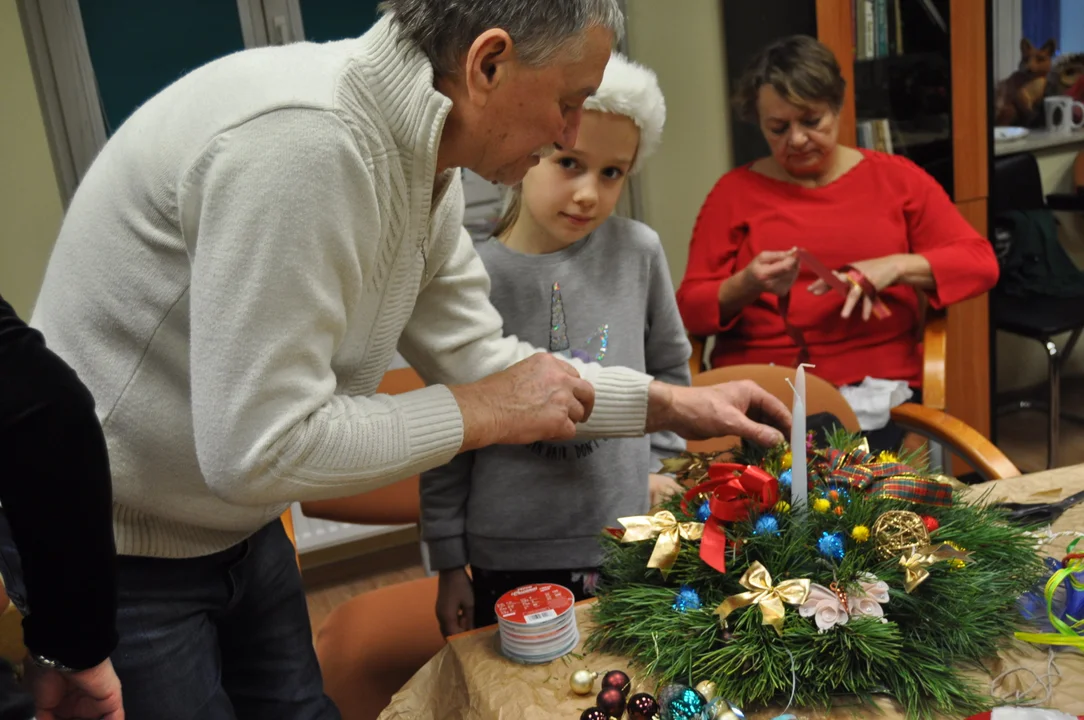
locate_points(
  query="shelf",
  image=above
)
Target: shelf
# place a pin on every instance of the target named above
(907, 58)
(1040, 140)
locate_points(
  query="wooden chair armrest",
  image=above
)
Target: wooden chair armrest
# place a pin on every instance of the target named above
(958, 437)
(287, 519)
(696, 360)
(395, 504)
(934, 345)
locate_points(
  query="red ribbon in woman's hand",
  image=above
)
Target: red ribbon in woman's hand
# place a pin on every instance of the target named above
(733, 490)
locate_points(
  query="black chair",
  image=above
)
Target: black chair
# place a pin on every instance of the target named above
(1018, 186)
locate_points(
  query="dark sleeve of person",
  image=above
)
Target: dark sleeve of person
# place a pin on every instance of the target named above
(56, 493)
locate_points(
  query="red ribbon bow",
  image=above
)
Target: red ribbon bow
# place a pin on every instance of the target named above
(733, 490)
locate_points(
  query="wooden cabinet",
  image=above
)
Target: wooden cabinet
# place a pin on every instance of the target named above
(964, 169)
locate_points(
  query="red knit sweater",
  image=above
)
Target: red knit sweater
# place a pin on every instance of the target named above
(885, 205)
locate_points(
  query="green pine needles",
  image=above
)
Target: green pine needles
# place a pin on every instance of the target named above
(960, 616)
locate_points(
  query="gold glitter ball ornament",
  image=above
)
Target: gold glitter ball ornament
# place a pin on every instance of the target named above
(708, 689)
(898, 531)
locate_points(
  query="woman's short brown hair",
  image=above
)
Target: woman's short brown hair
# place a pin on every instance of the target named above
(800, 68)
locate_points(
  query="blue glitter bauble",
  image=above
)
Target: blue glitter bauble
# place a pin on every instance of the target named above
(766, 525)
(678, 702)
(686, 599)
(784, 478)
(703, 513)
(831, 545)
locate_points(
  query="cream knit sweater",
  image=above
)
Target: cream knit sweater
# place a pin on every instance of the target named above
(235, 274)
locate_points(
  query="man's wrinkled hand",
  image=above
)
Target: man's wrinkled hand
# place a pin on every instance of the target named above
(740, 408)
(540, 398)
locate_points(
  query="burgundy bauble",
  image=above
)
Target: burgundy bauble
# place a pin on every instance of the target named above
(617, 679)
(930, 522)
(611, 701)
(593, 713)
(643, 707)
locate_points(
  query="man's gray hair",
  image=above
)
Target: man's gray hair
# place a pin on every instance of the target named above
(540, 29)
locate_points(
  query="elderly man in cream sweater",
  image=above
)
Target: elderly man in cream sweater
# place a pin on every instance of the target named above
(233, 277)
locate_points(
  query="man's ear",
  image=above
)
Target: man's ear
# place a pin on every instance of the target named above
(487, 63)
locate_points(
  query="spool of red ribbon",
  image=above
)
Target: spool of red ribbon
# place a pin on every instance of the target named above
(733, 490)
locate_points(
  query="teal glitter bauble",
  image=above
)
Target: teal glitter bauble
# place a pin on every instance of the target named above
(678, 702)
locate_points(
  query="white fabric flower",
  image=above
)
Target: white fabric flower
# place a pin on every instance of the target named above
(867, 601)
(825, 607)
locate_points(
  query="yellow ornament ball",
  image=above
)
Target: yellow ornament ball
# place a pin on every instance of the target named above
(821, 505)
(785, 463)
(782, 507)
(956, 563)
(860, 533)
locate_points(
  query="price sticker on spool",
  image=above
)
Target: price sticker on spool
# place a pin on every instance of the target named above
(534, 604)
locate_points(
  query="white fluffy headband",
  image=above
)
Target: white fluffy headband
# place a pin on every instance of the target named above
(632, 90)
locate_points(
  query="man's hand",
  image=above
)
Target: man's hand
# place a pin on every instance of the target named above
(85, 695)
(455, 602)
(540, 398)
(733, 408)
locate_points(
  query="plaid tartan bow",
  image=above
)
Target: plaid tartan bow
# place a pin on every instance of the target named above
(860, 471)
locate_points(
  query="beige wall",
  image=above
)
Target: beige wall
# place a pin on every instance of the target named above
(30, 206)
(1022, 363)
(683, 43)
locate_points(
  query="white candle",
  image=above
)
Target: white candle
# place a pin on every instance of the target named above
(799, 488)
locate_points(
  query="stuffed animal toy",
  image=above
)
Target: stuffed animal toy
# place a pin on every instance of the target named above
(1065, 76)
(1019, 98)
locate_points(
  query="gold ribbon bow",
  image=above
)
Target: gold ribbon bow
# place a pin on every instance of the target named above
(770, 598)
(915, 564)
(669, 531)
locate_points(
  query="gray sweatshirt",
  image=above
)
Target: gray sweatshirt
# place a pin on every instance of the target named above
(607, 298)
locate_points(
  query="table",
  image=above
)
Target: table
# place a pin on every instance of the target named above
(469, 678)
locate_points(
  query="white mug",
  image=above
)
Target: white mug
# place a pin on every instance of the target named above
(1059, 114)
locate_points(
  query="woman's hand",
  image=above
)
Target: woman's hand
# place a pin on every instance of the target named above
(662, 488)
(773, 271)
(881, 272)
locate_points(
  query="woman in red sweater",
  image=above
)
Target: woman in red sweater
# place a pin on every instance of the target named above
(879, 216)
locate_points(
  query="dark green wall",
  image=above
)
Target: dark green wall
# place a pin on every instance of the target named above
(326, 20)
(138, 47)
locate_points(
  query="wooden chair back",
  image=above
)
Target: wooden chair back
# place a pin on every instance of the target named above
(395, 504)
(821, 396)
(932, 333)
(364, 661)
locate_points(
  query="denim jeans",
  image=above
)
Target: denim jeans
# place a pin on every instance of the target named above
(221, 637)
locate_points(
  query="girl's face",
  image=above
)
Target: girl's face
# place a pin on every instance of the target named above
(573, 191)
(802, 139)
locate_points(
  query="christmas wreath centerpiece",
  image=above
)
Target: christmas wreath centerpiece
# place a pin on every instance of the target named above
(882, 581)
